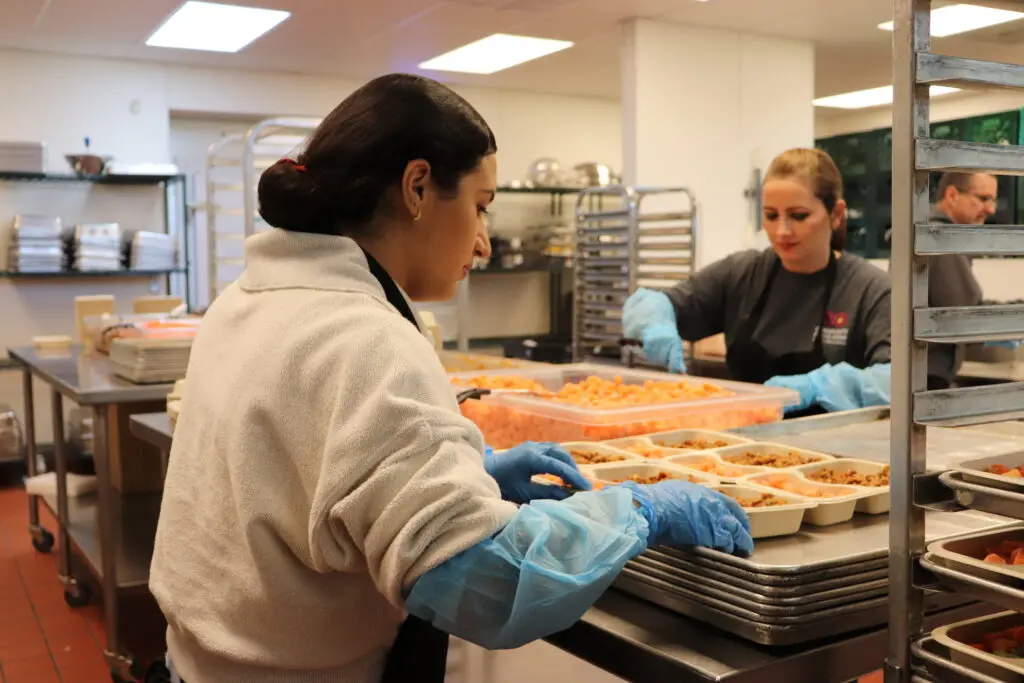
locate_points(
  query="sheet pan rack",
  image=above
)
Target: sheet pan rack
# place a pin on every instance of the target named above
(913, 568)
(626, 237)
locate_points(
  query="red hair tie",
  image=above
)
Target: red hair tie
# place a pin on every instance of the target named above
(291, 162)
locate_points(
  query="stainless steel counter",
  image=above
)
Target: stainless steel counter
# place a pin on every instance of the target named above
(87, 379)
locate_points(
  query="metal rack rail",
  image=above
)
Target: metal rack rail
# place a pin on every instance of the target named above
(915, 325)
(621, 247)
(233, 167)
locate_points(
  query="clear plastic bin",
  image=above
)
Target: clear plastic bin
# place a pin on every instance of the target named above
(510, 419)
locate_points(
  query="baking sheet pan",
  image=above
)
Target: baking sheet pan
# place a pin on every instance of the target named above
(804, 631)
(977, 471)
(757, 582)
(810, 605)
(843, 594)
(863, 538)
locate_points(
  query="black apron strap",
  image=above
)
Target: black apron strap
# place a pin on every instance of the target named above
(420, 651)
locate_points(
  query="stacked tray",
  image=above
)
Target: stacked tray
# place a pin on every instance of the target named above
(32, 244)
(93, 247)
(144, 250)
(150, 361)
(821, 582)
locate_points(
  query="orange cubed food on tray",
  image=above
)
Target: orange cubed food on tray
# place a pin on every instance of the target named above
(647, 451)
(994, 558)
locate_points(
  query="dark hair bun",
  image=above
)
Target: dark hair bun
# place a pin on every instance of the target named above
(288, 197)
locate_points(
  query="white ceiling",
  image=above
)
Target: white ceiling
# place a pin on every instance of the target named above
(364, 38)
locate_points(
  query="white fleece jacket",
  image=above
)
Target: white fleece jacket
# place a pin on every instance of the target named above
(320, 466)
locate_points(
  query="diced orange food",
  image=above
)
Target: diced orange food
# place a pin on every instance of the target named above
(505, 426)
(802, 488)
(1005, 471)
(1007, 552)
(712, 467)
(557, 481)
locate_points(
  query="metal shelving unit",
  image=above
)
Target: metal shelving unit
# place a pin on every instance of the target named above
(620, 245)
(233, 167)
(912, 656)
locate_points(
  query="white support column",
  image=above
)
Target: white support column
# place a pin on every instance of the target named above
(704, 108)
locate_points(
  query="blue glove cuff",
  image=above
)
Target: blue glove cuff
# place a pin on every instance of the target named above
(645, 506)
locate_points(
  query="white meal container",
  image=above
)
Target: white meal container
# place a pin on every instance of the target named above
(876, 502)
(601, 448)
(632, 441)
(614, 472)
(724, 471)
(828, 511)
(778, 520)
(810, 457)
(676, 438)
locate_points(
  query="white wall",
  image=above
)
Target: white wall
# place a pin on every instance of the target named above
(126, 109)
(694, 114)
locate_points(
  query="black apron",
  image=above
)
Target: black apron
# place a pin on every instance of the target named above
(420, 652)
(749, 361)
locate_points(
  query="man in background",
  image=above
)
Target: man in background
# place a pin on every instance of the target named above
(963, 199)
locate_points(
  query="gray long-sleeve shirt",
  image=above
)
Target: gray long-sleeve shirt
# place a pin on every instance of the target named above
(857, 325)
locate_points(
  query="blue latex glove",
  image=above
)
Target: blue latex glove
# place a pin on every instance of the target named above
(679, 513)
(1002, 344)
(514, 468)
(839, 387)
(538, 575)
(650, 317)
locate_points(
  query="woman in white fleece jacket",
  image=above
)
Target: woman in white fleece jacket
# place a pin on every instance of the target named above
(323, 485)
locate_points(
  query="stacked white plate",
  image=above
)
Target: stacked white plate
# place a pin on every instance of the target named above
(32, 244)
(150, 361)
(149, 251)
(94, 247)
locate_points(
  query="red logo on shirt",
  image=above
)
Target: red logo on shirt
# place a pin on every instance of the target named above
(836, 319)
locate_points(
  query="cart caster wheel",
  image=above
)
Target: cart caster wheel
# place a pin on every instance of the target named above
(44, 543)
(81, 599)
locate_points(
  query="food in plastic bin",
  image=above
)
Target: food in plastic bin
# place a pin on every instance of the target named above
(597, 392)
(505, 426)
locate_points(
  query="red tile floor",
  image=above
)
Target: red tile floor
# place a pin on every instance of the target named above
(42, 640)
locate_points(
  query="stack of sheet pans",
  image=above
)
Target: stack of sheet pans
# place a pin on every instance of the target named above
(32, 244)
(149, 251)
(93, 247)
(819, 583)
(150, 361)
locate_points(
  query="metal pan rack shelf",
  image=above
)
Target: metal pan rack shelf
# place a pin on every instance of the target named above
(913, 655)
(626, 237)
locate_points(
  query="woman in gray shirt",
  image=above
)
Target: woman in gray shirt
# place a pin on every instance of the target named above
(801, 314)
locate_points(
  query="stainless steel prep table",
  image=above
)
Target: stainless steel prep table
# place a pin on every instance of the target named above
(642, 642)
(124, 522)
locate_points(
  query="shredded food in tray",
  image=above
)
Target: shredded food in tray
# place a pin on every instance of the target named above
(655, 478)
(694, 444)
(802, 488)
(593, 457)
(1008, 643)
(828, 475)
(770, 459)
(1006, 471)
(762, 501)
(1007, 552)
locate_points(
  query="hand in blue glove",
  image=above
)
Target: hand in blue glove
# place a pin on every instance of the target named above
(1014, 344)
(679, 513)
(650, 317)
(513, 470)
(801, 384)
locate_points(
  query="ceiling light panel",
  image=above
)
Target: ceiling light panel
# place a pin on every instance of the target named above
(954, 19)
(874, 97)
(214, 27)
(495, 53)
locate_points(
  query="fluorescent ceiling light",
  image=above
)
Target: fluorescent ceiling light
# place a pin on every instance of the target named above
(875, 97)
(494, 53)
(954, 19)
(214, 27)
